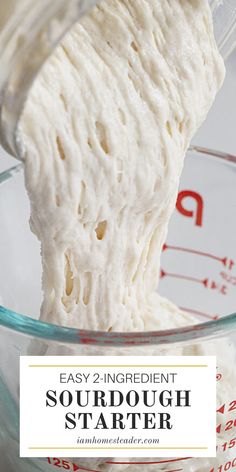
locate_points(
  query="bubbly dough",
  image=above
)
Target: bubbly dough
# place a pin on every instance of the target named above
(104, 135)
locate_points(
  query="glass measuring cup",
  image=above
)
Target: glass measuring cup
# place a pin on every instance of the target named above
(29, 32)
(198, 273)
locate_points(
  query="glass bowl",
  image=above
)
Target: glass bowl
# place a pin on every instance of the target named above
(198, 273)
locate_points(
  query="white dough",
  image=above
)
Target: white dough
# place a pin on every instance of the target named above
(105, 131)
(104, 135)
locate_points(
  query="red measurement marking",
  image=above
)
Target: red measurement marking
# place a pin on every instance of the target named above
(183, 277)
(223, 260)
(231, 424)
(220, 288)
(221, 409)
(230, 407)
(218, 377)
(226, 466)
(195, 312)
(150, 463)
(209, 284)
(176, 470)
(67, 465)
(198, 205)
(218, 429)
(228, 278)
(228, 445)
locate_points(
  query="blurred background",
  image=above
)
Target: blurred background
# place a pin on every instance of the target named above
(219, 130)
